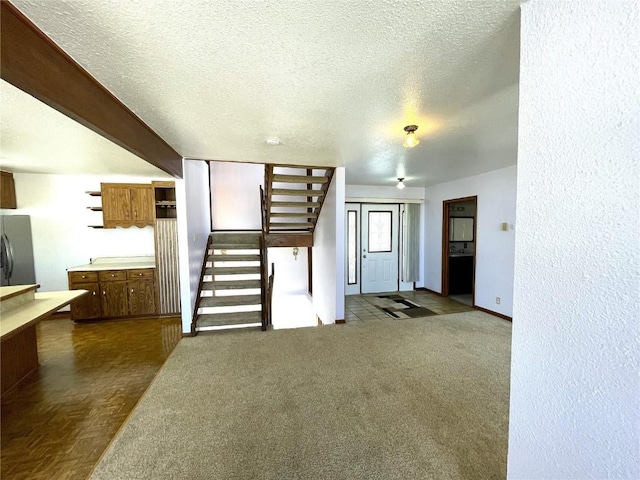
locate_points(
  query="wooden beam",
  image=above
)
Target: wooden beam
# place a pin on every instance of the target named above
(39, 67)
(289, 240)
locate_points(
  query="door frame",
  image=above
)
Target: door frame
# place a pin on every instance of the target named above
(444, 288)
(359, 241)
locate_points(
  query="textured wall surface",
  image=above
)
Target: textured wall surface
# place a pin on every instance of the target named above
(328, 254)
(235, 189)
(496, 193)
(194, 227)
(575, 396)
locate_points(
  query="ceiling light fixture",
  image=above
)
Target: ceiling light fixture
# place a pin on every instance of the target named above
(411, 141)
(273, 141)
(400, 183)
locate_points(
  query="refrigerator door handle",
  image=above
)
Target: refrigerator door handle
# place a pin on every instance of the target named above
(7, 254)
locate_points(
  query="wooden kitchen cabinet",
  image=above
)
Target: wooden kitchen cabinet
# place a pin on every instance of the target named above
(127, 205)
(114, 300)
(87, 307)
(114, 293)
(142, 292)
(7, 191)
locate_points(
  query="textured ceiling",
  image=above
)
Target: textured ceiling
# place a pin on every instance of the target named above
(37, 138)
(336, 81)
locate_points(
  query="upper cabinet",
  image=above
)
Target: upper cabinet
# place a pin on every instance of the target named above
(127, 205)
(7, 191)
(461, 229)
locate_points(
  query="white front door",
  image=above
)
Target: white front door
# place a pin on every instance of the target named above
(379, 245)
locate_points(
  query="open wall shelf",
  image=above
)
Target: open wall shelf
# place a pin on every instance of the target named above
(165, 200)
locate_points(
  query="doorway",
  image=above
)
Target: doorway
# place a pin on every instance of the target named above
(459, 247)
(372, 247)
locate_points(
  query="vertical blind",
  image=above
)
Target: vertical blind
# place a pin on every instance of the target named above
(410, 242)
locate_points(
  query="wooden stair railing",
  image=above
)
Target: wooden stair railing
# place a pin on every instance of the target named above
(264, 272)
(270, 294)
(299, 199)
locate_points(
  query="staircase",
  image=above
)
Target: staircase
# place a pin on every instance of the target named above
(234, 289)
(230, 290)
(294, 197)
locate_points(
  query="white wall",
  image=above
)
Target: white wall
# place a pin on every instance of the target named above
(328, 254)
(236, 193)
(377, 193)
(58, 205)
(575, 393)
(291, 273)
(194, 227)
(496, 193)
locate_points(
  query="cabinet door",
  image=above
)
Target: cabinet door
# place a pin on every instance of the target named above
(114, 299)
(7, 191)
(142, 205)
(142, 297)
(88, 306)
(116, 205)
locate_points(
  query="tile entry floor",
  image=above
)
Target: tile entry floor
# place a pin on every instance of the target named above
(358, 309)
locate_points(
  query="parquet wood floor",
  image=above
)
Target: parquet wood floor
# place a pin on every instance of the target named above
(58, 421)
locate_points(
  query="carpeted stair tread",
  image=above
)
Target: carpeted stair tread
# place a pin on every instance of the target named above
(231, 239)
(235, 318)
(233, 258)
(230, 284)
(234, 246)
(293, 225)
(295, 204)
(299, 179)
(293, 214)
(296, 192)
(230, 300)
(232, 270)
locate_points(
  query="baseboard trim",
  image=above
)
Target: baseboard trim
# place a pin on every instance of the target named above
(429, 290)
(341, 321)
(495, 314)
(188, 334)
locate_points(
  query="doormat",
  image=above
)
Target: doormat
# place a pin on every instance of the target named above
(396, 306)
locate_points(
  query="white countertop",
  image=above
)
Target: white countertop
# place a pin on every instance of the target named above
(22, 316)
(15, 290)
(116, 263)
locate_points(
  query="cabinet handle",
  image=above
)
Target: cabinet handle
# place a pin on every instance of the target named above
(104, 293)
(94, 293)
(139, 274)
(132, 290)
(84, 276)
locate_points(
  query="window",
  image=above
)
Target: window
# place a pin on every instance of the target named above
(379, 232)
(352, 247)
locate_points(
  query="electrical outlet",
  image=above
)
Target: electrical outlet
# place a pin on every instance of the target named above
(498, 300)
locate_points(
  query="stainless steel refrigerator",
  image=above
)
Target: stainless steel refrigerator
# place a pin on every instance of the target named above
(16, 251)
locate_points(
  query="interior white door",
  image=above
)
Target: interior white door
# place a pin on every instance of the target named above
(379, 245)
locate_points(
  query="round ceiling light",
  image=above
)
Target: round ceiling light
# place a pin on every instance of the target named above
(273, 141)
(411, 141)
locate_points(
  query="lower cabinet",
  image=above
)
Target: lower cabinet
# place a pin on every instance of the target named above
(142, 292)
(114, 293)
(460, 275)
(87, 307)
